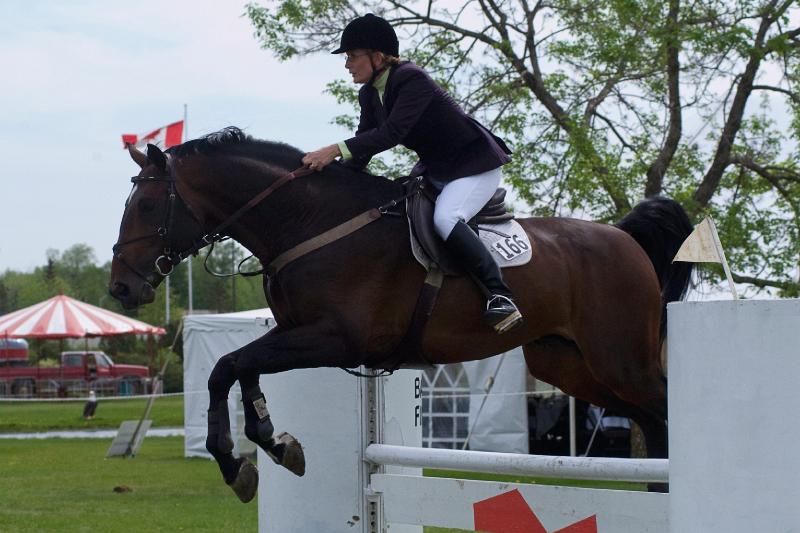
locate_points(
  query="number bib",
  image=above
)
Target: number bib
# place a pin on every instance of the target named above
(508, 243)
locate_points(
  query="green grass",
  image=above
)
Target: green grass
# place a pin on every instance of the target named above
(23, 417)
(67, 485)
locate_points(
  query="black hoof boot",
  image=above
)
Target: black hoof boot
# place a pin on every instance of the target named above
(501, 313)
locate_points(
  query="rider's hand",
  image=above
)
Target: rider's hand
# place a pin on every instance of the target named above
(321, 158)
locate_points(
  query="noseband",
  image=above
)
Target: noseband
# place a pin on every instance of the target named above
(164, 232)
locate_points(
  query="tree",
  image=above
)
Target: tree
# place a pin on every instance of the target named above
(609, 101)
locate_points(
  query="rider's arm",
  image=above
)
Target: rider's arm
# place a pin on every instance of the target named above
(414, 94)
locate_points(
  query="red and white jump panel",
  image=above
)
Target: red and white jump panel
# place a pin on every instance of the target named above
(503, 507)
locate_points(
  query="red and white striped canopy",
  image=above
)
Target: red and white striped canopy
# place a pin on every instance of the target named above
(64, 317)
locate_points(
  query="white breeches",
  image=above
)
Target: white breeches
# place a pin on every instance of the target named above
(461, 199)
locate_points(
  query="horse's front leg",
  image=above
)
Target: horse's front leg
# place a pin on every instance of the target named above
(239, 473)
(278, 351)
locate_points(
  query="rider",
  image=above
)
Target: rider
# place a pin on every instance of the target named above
(401, 104)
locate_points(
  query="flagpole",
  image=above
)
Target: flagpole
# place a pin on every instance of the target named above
(166, 281)
(721, 253)
(189, 260)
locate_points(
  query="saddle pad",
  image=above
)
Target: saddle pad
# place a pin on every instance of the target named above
(507, 242)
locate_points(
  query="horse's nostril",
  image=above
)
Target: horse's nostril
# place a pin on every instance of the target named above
(119, 290)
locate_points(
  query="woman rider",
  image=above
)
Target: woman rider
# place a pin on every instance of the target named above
(401, 104)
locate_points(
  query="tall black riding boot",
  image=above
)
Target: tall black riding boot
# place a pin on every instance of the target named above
(501, 312)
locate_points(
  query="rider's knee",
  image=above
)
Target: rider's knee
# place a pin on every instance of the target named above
(444, 222)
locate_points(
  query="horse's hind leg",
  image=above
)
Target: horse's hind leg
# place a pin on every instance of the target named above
(560, 362)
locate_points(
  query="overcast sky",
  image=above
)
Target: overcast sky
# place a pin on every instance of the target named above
(78, 74)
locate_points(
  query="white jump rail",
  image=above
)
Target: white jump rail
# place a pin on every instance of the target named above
(594, 468)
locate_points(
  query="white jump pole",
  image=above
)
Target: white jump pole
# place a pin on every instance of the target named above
(600, 468)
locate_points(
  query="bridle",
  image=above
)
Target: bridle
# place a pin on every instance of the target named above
(169, 254)
(169, 257)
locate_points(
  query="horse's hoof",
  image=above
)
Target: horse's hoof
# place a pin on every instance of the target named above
(287, 452)
(246, 482)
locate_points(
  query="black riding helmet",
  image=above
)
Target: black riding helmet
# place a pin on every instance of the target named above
(370, 32)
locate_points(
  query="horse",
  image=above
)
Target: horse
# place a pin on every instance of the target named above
(593, 298)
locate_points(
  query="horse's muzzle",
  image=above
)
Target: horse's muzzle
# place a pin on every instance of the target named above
(130, 300)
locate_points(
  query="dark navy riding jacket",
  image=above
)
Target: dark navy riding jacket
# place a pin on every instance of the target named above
(420, 115)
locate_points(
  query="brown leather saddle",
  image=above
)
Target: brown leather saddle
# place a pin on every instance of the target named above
(419, 208)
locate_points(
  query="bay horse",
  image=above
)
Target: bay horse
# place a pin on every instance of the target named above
(593, 298)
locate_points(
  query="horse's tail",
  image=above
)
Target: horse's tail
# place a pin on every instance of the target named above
(660, 225)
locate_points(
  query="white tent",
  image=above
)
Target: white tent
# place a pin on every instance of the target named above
(499, 421)
(206, 338)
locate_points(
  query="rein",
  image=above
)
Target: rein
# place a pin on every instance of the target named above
(216, 235)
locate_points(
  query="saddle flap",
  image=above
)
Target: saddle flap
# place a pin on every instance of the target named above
(420, 208)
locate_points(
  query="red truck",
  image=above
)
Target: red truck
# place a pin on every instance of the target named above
(79, 372)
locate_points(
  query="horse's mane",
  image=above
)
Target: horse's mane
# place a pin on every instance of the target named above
(232, 141)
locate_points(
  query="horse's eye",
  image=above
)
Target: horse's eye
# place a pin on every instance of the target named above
(146, 205)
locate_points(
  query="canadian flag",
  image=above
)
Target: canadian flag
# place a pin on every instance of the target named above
(163, 137)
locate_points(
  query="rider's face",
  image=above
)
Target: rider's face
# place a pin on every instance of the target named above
(359, 63)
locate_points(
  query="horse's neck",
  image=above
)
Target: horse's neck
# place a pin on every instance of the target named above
(299, 210)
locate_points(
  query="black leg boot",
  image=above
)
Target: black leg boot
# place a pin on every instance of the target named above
(501, 312)
(240, 474)
(283, 448)
(258, 425)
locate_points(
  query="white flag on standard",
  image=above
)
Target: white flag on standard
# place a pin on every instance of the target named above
(703, 246)
(699, 246)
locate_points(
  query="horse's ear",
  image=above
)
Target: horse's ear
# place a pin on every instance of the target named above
(156, 156)
(137, 155)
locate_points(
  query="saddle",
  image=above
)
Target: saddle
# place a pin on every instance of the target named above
(419, 209)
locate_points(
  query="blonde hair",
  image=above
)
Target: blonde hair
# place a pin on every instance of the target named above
(392, 60)
(387, 59)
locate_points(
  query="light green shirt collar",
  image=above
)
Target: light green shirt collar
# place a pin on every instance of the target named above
(380, 83)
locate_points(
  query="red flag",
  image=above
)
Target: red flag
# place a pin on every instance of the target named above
(163, 137)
